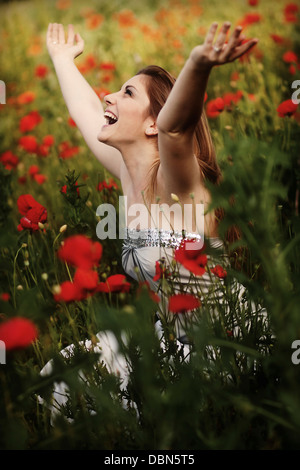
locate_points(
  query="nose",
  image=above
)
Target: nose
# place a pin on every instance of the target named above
(108, 99)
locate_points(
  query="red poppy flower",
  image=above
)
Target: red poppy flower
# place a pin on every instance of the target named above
(231, 97)
(66, 151)
(17, 333)
(114, 283)
(5, 296)
(39, 178)
(86, 279)
(26, 97)
(81, 251)
(287, 108)
(28, 143)
(110, 184)
(9, 160)
(253, 3)
(41, 71)
(30, 121)
(94, 21)
(69, 292)
(250, 18)
(290, 12)
(179, 303)
(215, 107)
(85, 283)
(71, 122)
(32, 211)
(219, 271)
(48, 140)
(160, 271)
(277, 39)
(290, 56)
(191, 255)
(107, 66)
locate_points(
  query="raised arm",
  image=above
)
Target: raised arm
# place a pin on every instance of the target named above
(82, 102)
(180, 115)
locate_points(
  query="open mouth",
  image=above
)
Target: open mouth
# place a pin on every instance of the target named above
(110, 118)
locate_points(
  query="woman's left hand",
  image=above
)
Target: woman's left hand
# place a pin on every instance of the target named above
(220, 51)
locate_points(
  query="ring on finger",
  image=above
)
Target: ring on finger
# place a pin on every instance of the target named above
(216, 48)
(54, 42)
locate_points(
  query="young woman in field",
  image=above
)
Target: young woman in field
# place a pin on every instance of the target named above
(154, 137)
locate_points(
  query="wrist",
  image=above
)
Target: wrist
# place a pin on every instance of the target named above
(61, 59)
(200, 64)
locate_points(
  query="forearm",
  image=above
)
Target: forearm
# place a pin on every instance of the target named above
(184, 105)
(77, 92)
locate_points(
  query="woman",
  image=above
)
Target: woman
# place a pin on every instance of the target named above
(154, 137)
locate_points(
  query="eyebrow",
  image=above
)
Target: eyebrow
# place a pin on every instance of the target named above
(130, 86)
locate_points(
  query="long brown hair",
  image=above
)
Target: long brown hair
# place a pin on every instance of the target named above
(159, 87)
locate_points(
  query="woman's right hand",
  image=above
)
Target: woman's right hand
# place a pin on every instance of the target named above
(59, 46)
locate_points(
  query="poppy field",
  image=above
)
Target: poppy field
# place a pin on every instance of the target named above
(130, 387)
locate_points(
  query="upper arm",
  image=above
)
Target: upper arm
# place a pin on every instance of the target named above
(178, 162)
(89, 124)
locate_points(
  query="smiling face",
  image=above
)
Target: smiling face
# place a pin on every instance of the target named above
(127, 115)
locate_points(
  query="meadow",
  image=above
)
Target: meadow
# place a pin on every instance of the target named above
(237, 388)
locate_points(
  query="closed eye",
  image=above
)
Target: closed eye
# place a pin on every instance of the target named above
(128, 91)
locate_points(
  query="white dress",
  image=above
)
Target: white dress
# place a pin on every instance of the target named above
(141, 249)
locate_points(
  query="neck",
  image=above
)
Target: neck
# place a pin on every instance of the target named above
(138, 161)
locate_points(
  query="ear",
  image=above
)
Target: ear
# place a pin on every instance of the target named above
(151, 129)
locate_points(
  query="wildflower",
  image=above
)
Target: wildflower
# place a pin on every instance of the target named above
(94, 21)
(86, 279)
(5, 296)
(231, 97)
(215, 107)
(290, 12)
(219, 271)
(81, 251)
(9, 160)
(63, 228)
(17, 333)
(67, 292)
(28, 143)
(34, 173)
(191, 255)
(160, 271)
(108, 66)
(287, 108)
(30, 121)
(48, 140)
(175, 197)
(277, 39)
(66, 151)
(126, 18)
(114, 283)
(110, 184)
(33, 212)
(290, 56)
(41, 71)
(179, 303)
(249, 19)
(71, 122)
(26, 97)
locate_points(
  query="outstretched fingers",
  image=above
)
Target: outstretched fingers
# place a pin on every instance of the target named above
(220, 41)
(71, 34)
(209, 39)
